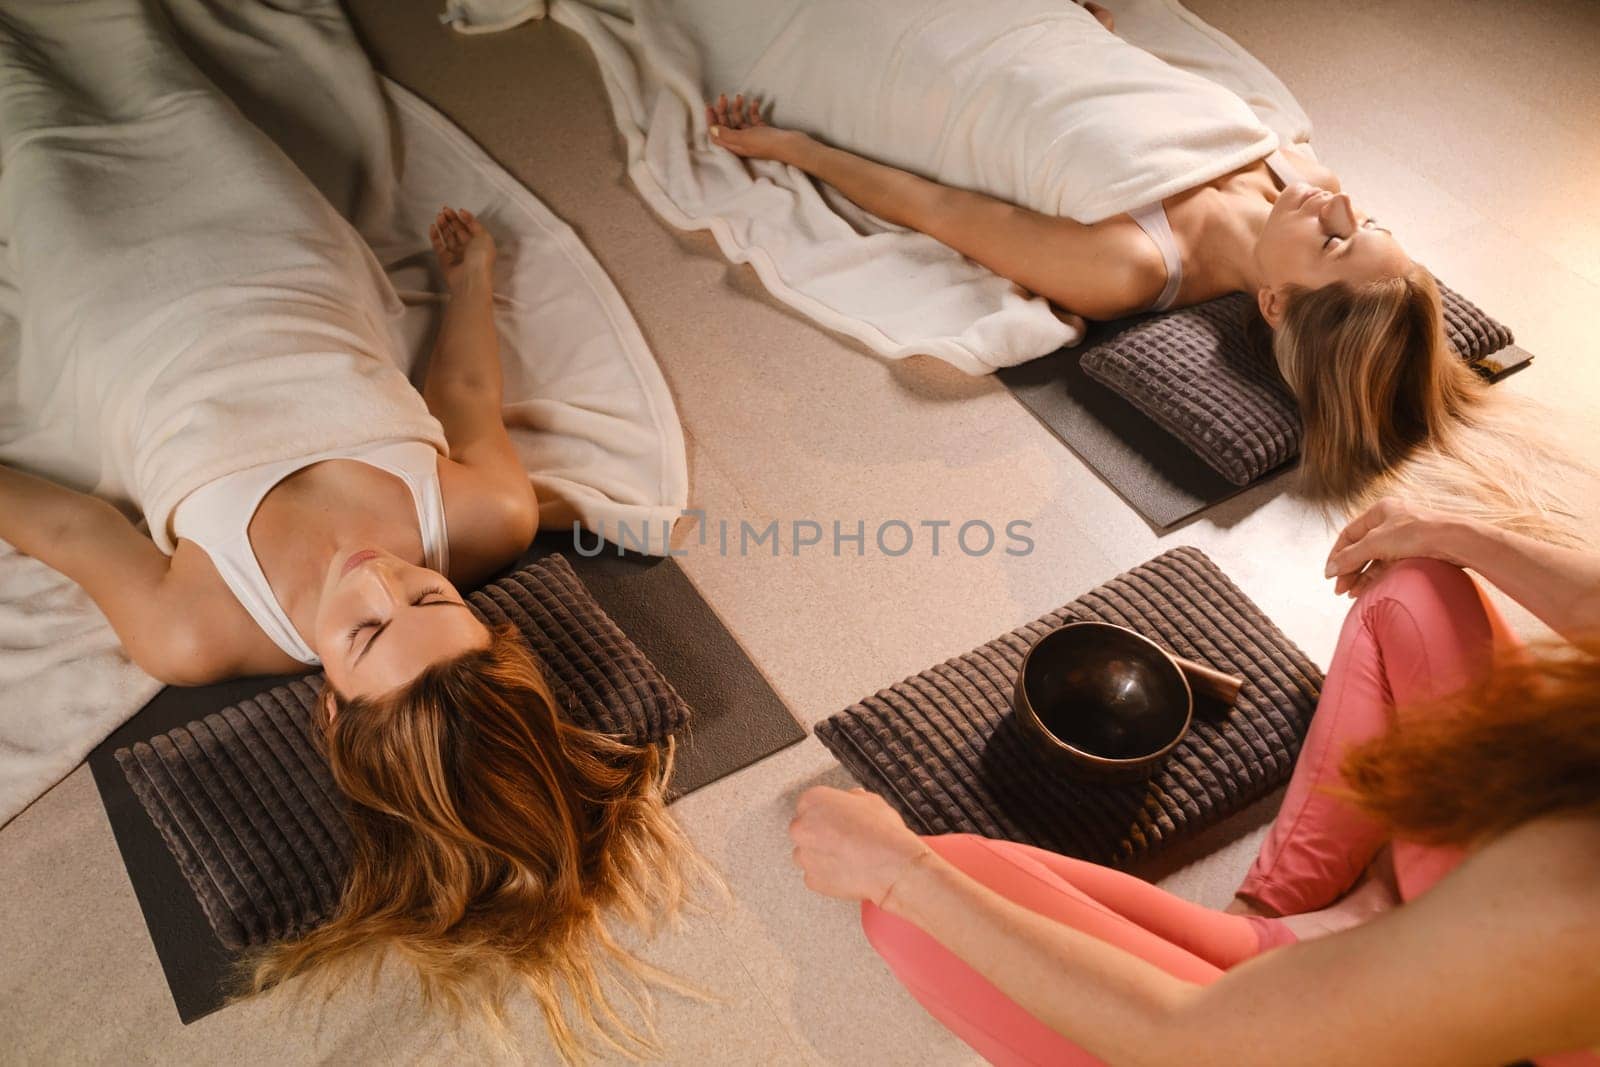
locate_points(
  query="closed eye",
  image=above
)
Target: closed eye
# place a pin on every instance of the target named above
(416, 601)
(355, 630)
(419, 601)
(1370, 224)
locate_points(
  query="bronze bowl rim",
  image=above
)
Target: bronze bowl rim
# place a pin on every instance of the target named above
(1024, 706)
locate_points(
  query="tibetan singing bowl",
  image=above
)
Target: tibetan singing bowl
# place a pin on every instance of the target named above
(1104, 702)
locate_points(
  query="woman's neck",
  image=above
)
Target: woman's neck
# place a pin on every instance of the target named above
(1229, 231)
(319, 515)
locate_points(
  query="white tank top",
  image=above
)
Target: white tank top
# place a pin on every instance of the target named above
(1152, 218)
(217, 518)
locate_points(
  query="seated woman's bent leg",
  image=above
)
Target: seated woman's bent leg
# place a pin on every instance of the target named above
(1188, 941)
(1422, 631)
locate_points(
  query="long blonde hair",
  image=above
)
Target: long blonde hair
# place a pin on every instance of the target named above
(1388, 407)
(491, 842)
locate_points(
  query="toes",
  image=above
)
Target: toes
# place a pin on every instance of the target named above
(458, 229)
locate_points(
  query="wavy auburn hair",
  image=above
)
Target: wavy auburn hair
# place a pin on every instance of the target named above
(1523, 743)
(1388, 407)
(491, 842)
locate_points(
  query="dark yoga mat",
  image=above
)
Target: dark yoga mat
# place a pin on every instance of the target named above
(737, 720)
(1154, 472)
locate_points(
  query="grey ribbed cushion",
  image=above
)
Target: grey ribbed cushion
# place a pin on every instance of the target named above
(944, 748)
(1194, 372)
(246, 803)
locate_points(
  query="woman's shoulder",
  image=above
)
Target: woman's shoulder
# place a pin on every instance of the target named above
(491, 517)
(1547, 872)
(1566, 846)
(206, 635)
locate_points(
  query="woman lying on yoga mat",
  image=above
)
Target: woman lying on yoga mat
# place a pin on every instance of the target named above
(1355, 325)
(1480, 789)
(489, 835)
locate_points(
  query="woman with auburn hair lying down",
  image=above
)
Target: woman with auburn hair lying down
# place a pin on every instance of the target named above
(1354, 324)
(490, 838)
(1469, 796)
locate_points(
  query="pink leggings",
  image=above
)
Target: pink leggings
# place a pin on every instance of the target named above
(1422, 630)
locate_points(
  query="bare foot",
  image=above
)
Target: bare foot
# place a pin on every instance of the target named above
(741, 129)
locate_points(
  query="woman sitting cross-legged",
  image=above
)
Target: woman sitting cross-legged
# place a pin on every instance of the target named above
(1475, 785)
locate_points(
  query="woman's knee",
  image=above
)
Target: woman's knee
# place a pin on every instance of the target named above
(1432, 593)
(1431, 625)
(1420, 575)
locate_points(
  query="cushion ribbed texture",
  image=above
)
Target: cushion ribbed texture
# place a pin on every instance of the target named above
(247, 805)
(945, 749)
(1194, 372)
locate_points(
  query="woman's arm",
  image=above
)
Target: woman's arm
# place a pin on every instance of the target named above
(495, 511)
(1559, 585)
(161, 626)
(1102, 271)
(463, 384)
(1494, 963)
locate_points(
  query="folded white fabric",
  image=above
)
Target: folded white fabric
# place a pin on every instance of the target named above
(1028, 100)
(490, 16)
(218, 257)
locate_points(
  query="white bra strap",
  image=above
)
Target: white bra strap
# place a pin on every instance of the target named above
(1152, 219)
(430, 517)
(417, 464)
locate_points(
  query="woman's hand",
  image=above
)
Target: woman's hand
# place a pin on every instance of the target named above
(464, 247)
(740, 128)
(852, 845)
(1390, 530)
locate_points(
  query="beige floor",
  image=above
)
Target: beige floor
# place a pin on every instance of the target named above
(1467, 127)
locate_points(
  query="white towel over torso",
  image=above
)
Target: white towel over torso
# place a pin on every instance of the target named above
(1031, 101)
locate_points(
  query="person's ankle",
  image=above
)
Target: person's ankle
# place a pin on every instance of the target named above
(472, 281)
(1245, 905)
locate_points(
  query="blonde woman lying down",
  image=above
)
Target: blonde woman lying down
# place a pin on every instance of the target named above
(1353, 322)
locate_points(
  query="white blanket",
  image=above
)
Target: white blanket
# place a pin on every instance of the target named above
(201, 279)
(1027, 100)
